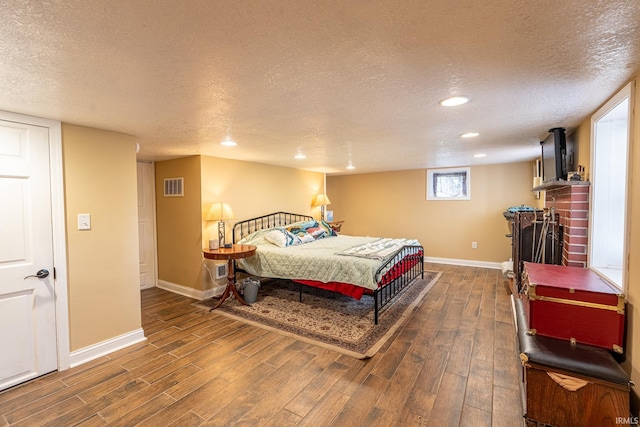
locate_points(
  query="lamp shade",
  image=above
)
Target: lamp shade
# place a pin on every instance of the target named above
(220, 212)
(320, 200)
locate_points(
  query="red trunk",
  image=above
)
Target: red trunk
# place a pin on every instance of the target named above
(574, 303)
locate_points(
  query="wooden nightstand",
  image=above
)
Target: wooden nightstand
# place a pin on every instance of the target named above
(230, 254)
(335, 225)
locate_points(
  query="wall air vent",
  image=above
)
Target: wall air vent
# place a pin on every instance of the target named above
(174, 187)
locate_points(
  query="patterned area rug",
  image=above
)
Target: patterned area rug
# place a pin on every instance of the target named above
(324, 318)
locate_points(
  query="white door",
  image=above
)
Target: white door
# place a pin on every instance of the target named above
(27, 305)
(146, 225)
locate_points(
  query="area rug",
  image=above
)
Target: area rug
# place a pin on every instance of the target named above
(325, 318)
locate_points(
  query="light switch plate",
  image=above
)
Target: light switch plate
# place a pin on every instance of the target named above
(84, 221)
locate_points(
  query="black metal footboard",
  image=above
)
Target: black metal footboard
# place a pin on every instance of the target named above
(396, 274)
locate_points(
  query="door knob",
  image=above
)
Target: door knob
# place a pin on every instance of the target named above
(41, 274)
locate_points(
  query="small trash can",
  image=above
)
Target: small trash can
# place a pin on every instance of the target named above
(250, 290)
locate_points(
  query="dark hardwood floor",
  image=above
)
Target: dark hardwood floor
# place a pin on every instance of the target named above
(454, 363)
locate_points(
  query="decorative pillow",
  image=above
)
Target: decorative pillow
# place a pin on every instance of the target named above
(330, 231)
(300, 228)
(281, 238)
(309, 224)
(306, 239)
(317, 232)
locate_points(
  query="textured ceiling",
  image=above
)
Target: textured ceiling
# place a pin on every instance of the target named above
(346, 81)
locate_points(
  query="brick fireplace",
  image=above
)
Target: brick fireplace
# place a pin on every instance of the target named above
(571, 201)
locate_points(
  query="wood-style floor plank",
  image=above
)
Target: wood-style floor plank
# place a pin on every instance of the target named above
(447, 409)
(453, 363)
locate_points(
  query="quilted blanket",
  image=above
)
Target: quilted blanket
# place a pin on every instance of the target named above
(378, 249)
(316, 260)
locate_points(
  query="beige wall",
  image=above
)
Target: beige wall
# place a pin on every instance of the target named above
(393, 204)
(179, 223)
(104, 289)
(254, 189)
(251, 189)
(583, 147)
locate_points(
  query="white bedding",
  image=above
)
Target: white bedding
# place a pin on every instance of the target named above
(316, 260)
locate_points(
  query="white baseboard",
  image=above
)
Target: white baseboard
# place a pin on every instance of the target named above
(190, 292)
(103, 348)
(216, 291)
(464, 262)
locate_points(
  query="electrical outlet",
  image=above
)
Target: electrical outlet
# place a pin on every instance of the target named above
(474, 245)
(221, 271)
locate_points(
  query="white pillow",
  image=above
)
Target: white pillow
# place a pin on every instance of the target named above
(280, 237)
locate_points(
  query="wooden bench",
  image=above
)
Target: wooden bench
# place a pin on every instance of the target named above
(569, 384)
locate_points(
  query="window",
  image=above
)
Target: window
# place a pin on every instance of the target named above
(610, 132)
(449, 184)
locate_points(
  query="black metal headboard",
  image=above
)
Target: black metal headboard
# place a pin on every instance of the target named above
(244, 228)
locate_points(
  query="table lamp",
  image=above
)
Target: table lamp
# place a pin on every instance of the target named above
(320, 200)
(220, 212)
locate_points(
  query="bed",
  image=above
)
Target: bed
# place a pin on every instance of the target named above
(351, 265)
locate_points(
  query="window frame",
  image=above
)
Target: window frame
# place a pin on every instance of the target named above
(620, 282)
(433, 174)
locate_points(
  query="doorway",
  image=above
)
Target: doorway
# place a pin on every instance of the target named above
(33, 298)
(147, 224)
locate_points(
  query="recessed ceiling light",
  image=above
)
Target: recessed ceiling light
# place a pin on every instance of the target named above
(350, 166)
(300, 156)
(229, 142)
(454, 100)
(479, 155)
(469, 135)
